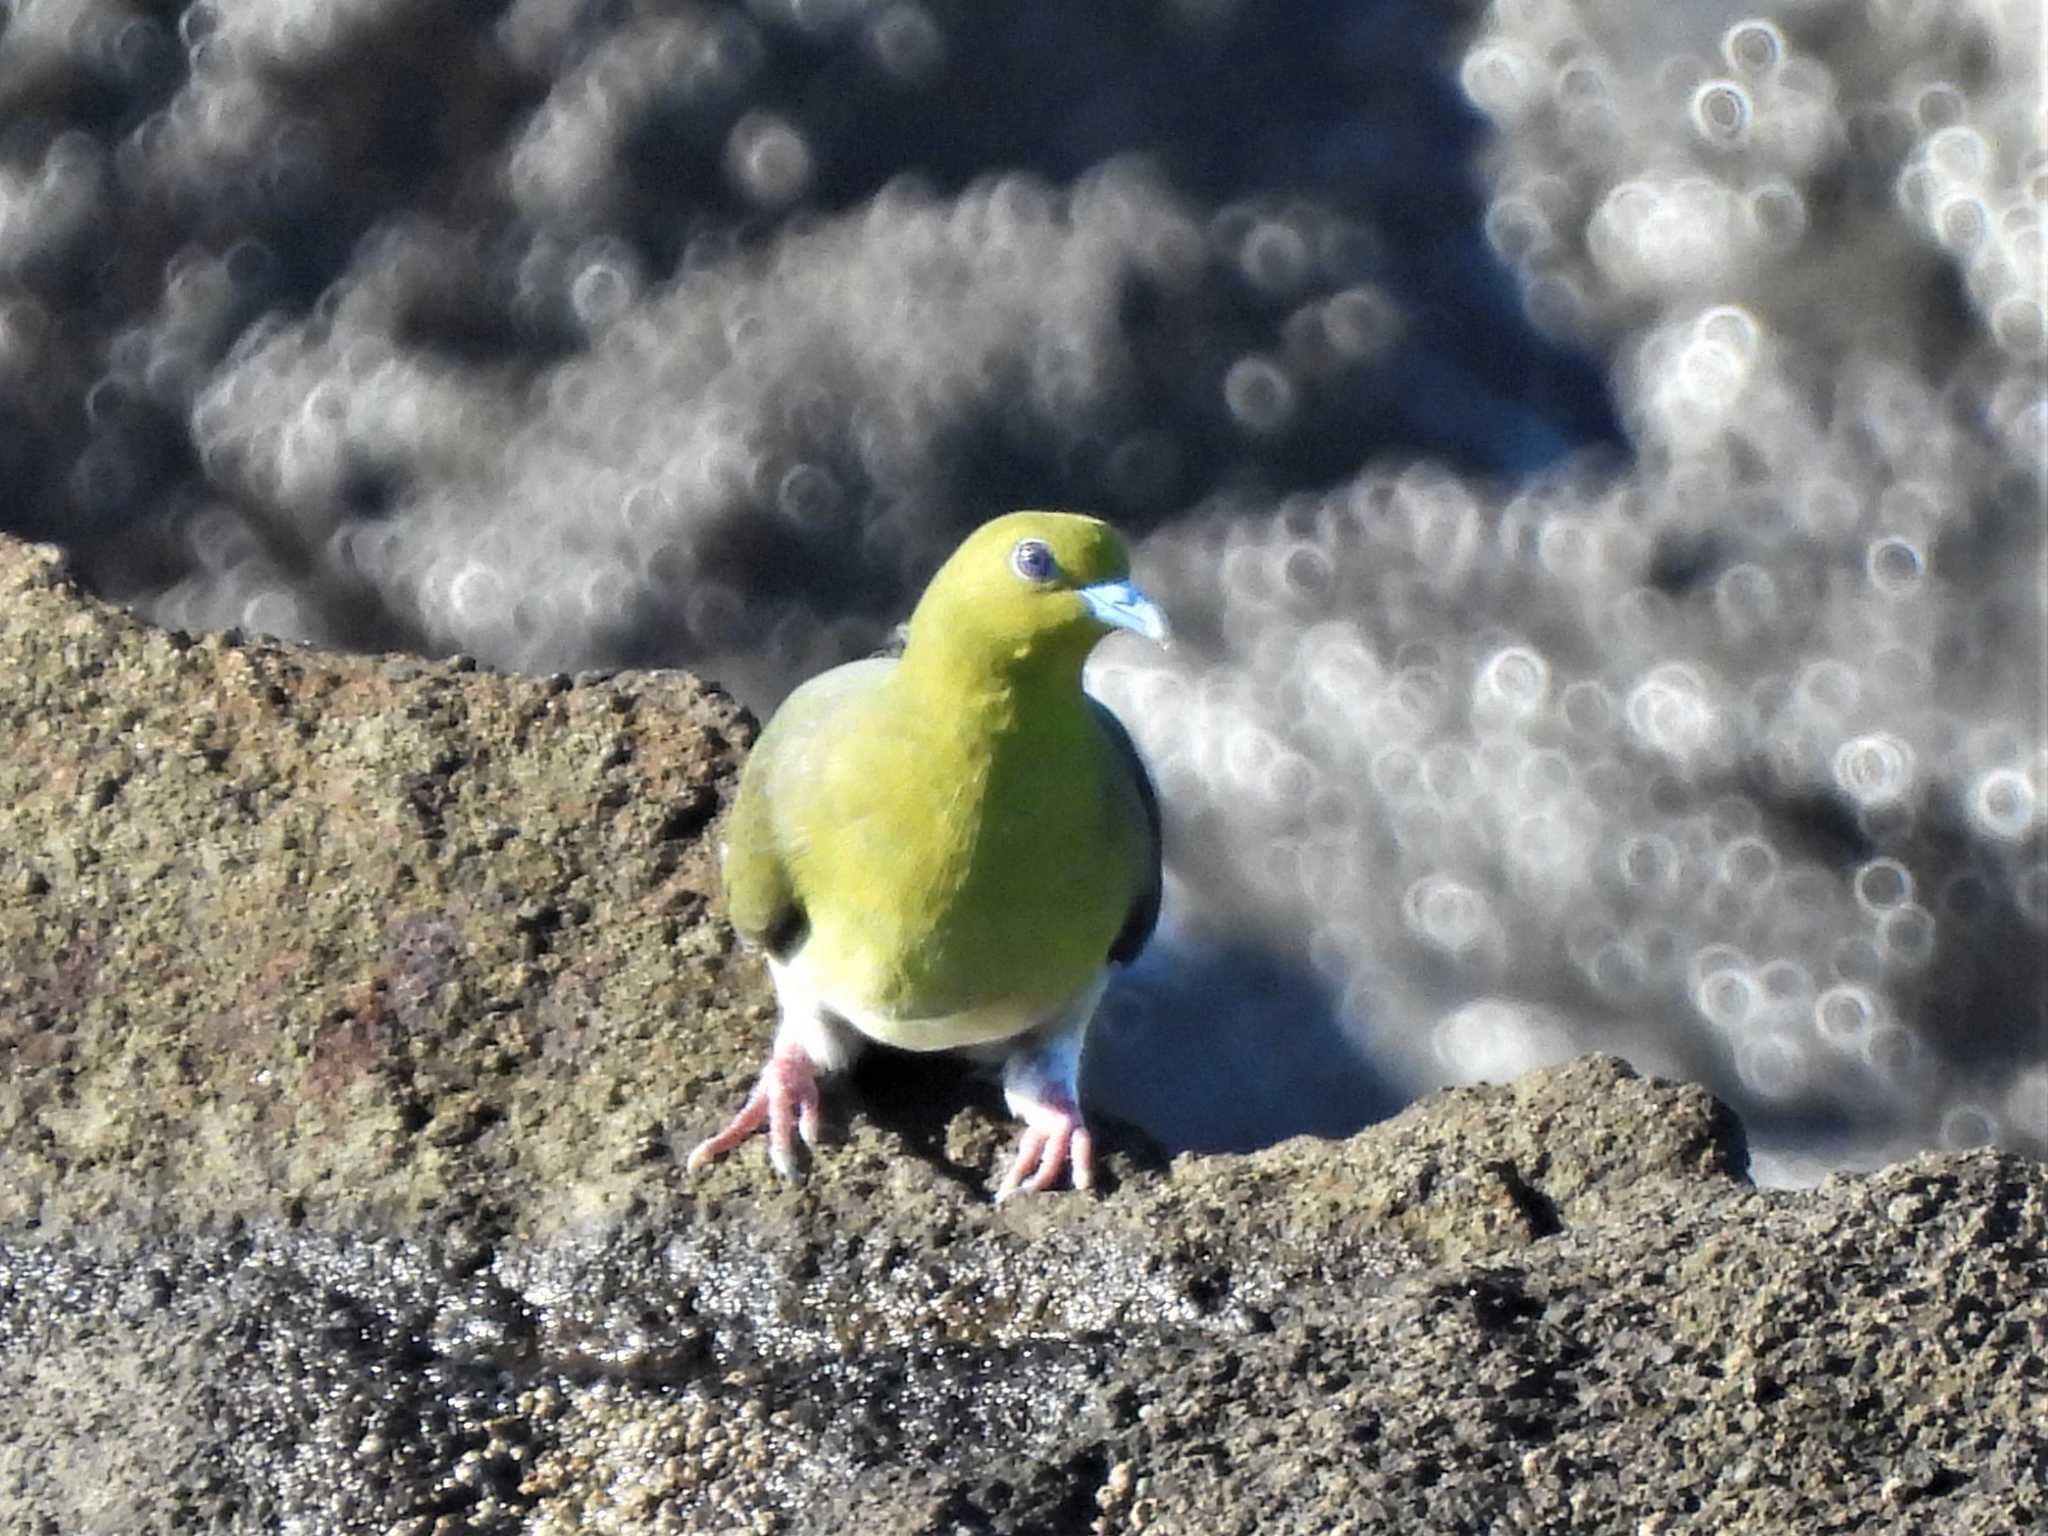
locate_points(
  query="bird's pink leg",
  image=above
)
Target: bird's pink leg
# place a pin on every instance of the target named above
(1043, 1090)
(785, 1100)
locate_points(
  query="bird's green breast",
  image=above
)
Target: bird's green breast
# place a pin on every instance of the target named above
(960, 862)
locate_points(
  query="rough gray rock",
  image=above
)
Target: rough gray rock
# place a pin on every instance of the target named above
(356, 1010)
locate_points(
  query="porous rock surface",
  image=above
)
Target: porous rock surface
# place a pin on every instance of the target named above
(356, 1014)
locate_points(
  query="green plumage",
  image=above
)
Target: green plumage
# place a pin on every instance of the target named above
(950, 846)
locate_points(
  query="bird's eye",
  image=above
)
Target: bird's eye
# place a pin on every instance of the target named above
(1032, 559)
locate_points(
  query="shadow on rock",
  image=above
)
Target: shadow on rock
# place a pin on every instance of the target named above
(1224, 1048)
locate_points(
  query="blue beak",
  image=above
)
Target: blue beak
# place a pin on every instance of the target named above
(1122, 606)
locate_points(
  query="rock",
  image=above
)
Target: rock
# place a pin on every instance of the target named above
(323, 937)
(357, 1013)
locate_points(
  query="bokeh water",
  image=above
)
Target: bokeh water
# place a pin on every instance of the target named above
(1593, 454)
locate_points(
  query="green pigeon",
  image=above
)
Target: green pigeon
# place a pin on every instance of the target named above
(947, 850)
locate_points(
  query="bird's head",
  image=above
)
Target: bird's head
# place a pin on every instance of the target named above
(1031, 590)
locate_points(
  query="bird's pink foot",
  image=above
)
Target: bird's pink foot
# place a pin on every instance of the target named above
(1041, 1084)
(785, 1100)
(1055, 1140)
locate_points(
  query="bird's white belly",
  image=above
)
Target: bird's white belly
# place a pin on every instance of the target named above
(806, 1004)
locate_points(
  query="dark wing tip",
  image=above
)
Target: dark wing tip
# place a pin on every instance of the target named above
(1144, 914)
(786, 934)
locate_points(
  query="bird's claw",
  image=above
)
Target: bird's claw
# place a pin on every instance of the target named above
(785, 1100)
(1059, 1142)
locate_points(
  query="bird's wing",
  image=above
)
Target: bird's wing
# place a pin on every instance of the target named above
(787, 762)
(1135, 783)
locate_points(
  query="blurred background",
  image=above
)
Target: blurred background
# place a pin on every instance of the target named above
(1593, 455)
